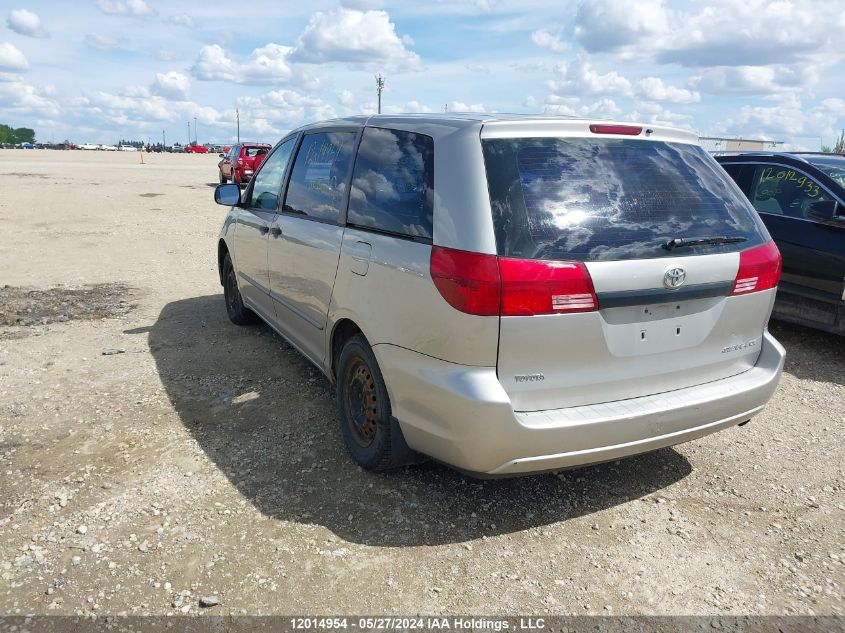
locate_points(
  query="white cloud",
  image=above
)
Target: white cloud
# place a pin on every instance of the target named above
(716, 33)
(788, 119)
(577, 78)
(138, 109)
(266, 65)
(171, 85)
(347, 98)
(21, 97)
(756, 80)
(603, 108)
(653, 89)
(101, 42)
(136, 8)
(362, 5)
(364, 38)
(656, 113)
(550, 39)
(26, 23)
(11, 59)
(409, 107)
(460, 106)
(182, 19)
(602, 25)
(283, 108)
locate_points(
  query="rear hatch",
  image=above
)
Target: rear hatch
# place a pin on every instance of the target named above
(251, 156)
(630, 265)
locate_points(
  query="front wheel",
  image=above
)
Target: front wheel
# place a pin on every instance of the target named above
(371, 436)
(238, 313)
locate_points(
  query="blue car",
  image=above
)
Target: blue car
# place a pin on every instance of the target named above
(800, 197)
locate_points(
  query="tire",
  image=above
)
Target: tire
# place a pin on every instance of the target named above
(223, 179)
(238, 313)
(371, 435)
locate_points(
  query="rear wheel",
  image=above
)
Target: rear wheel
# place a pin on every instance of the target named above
(238, 313)
(371, 436)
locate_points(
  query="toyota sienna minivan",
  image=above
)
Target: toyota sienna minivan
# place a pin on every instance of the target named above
(508, 294)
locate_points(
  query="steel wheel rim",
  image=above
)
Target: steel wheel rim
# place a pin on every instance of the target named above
(361, 403)
(231, 291)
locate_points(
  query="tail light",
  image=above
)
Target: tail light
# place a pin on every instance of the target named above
(624, 130)
(488, 285)
(759, 269)
(468, 281)
(531, 286)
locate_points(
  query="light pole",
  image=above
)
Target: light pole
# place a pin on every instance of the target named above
(163, 141)
(196, 138)
(379, 88)
(189, 132)
(238, 118)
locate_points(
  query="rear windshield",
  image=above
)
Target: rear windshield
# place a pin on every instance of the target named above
(611, 199)
(252, 152)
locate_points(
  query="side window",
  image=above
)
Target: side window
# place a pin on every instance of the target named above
(393, 183)
(784, 191)
(268, 181)
(233, 153)
(318, 180)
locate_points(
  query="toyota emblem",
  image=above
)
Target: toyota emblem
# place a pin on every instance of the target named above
(674, 277)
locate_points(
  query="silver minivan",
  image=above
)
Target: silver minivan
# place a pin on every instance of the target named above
(508, 294)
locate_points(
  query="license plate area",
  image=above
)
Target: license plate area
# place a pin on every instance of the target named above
(658, 328)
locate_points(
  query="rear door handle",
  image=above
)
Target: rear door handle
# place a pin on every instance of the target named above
(276, 231)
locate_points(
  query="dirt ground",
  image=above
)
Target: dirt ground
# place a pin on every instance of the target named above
(152, 454)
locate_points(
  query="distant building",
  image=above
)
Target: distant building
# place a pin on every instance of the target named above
(725, 144)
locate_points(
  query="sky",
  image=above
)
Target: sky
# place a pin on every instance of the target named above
(102, 70)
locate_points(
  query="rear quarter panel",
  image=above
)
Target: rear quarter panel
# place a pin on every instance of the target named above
(397, 303)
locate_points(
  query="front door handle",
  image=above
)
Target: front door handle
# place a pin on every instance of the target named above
(276, 231)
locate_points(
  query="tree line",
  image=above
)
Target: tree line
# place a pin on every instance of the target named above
(9, 134)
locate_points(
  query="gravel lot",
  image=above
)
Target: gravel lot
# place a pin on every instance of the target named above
(152, 454)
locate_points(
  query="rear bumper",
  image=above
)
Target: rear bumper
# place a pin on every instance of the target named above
(462, 416)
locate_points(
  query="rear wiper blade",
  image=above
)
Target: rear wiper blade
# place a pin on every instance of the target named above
(678, 242)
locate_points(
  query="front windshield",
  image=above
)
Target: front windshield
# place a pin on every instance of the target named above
(837, 172)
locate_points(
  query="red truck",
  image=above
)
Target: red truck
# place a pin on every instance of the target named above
(242, 161)
(196, 149)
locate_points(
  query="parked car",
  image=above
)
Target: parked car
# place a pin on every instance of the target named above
(801, 199)
(196, 149)
(241, 161)
(508, 294)
(127, 148)
(89, 146)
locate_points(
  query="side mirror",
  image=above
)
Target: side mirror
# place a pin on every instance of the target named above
(826, 211)
(228, 195)
(222, 155)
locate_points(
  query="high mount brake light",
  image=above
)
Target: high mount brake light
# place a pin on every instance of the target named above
(759, 269)
(625, 130)
(488, 285)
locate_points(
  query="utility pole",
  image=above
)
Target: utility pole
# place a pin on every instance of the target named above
(196, 138)
(238, 118)
(163, 141)
(379, 88)
(189, 132)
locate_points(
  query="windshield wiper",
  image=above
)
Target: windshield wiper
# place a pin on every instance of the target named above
(678, 242)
